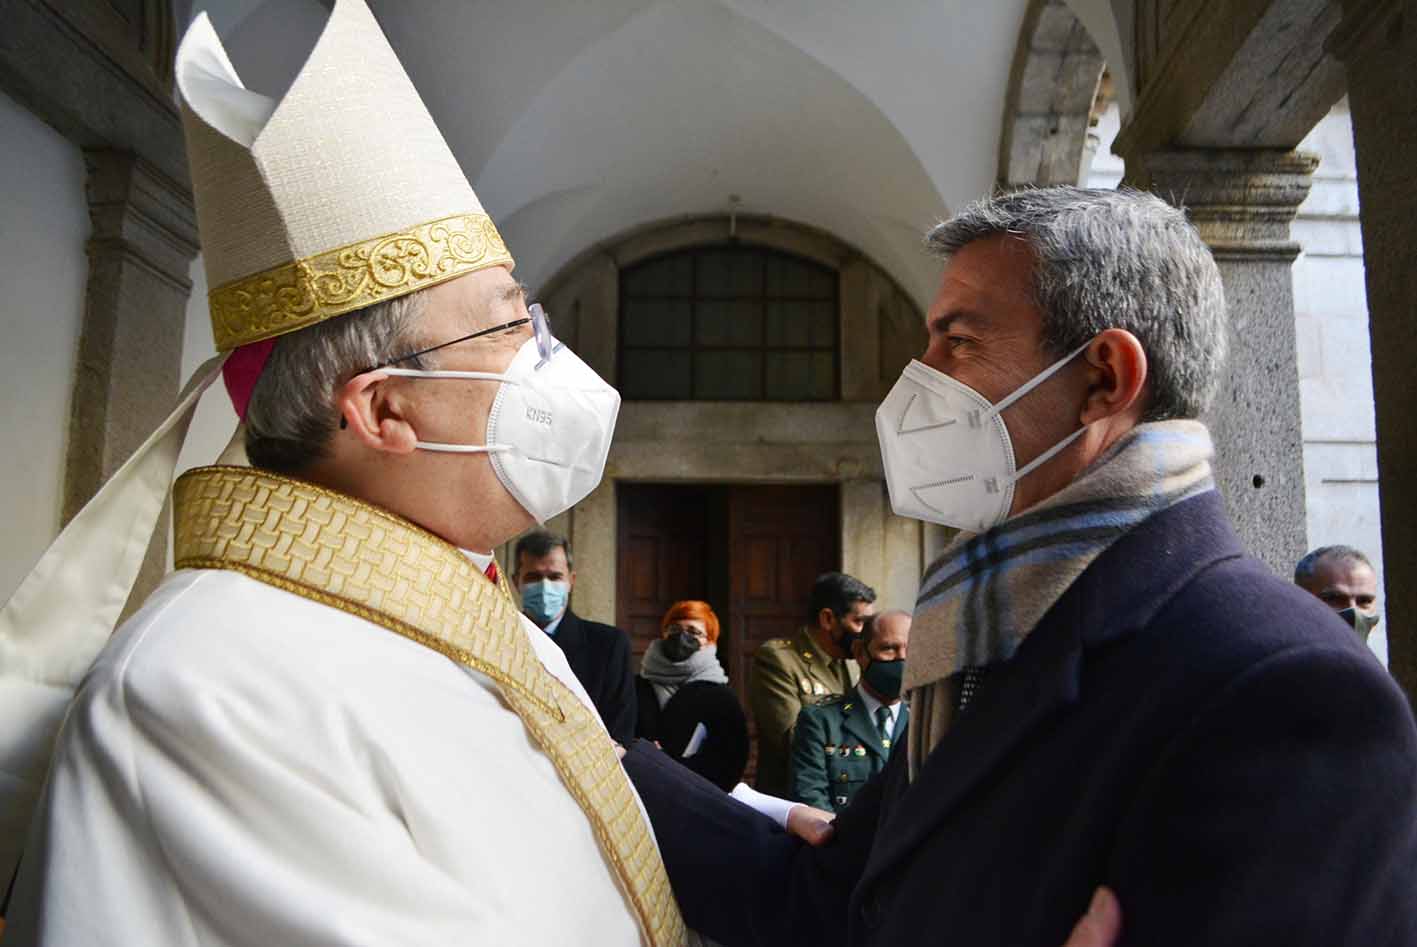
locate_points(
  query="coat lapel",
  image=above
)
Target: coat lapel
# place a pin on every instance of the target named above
(569, 635)
(1118, 594)
(902, 720)
(857, 721)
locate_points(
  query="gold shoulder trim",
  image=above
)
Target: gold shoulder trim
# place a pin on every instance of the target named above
(304, 292)
(349, 555)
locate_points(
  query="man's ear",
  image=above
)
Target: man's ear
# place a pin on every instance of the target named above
(571, 580)
(372, 411)
(858, 651)
(1117, 369)
(826, 619)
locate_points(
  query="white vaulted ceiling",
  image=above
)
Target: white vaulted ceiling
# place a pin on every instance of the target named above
(577, 121)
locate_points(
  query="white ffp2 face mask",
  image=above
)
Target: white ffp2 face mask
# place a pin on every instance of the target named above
(549, 430)
(946, 451)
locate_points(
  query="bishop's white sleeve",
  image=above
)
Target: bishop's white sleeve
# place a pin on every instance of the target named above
(266, 840)
(771, 806)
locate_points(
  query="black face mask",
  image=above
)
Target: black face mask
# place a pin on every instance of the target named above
(680, 646)
(885, 677)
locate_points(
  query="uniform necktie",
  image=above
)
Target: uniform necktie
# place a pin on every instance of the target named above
(492, 571)
(883, 724)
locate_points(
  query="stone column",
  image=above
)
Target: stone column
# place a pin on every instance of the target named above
(1242, 202)
(1377, 41)
(130, 348)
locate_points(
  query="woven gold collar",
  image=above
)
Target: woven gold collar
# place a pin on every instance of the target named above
(355, 557)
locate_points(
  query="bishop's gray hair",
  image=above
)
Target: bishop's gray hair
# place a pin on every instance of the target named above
(1119, 259)
(292, 413)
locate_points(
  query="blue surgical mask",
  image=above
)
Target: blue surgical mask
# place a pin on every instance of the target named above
(543, 601)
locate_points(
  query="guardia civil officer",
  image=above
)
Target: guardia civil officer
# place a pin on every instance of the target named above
(843, 741)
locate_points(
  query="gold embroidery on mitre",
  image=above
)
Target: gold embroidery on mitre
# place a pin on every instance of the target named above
(349, 555)
(304, 292)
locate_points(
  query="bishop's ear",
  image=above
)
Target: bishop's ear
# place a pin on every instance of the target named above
(373, 412)
(1117, 370)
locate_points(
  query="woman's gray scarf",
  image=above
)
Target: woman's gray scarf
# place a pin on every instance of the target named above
(668, 676)
(987, 591)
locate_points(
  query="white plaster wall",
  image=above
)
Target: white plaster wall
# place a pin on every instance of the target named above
(1335, 360)
(1106, 169)
(215, 420)
(43, 268)
(1331, 328)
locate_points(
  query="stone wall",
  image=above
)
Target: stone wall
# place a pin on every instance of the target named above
(43, 227)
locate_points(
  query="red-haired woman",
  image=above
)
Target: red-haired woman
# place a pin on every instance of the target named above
(685, 701)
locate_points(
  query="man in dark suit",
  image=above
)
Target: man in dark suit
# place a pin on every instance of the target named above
(599, 654)
(1105, 689)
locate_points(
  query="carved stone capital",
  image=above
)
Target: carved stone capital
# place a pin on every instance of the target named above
(140, 213)
(1242, 202)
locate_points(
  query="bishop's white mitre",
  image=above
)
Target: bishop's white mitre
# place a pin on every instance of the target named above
(340, 195)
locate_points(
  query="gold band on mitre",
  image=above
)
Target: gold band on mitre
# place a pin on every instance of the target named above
(304, 292)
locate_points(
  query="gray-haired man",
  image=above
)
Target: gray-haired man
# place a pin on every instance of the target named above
(1104, 689)
(1343, 579)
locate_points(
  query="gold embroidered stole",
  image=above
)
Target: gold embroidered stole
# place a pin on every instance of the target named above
(355, 557)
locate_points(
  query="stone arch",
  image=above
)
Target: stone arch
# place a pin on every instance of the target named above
(1054, 88)
(747, 443)
(881, 326)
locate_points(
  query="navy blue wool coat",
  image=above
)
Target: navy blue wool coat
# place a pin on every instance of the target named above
(1208, 740)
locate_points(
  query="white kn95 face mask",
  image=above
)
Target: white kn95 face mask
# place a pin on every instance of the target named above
(947, 454)
(549, 430)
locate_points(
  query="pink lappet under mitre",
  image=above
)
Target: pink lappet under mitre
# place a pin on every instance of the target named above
(341, 194)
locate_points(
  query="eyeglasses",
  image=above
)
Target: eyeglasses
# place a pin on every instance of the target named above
(546, 343)
(699, 633)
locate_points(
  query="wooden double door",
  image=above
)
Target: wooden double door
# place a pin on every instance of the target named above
(751, 552)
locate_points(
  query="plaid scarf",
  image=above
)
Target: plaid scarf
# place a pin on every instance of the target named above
(987, 591)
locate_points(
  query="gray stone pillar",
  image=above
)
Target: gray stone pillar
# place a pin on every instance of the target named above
(1242, 202)
(130, 348)
(1377, 41)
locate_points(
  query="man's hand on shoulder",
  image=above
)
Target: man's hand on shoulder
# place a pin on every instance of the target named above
(1101, 925)
(814, 826)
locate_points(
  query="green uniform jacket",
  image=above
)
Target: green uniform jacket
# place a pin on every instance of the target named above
(836, 748)
(785, 672)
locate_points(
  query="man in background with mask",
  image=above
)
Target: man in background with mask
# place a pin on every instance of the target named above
(1343, 579)
(841, 742)
(331, 724)
(1104, 689)
(599, 654)
(815, 665)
